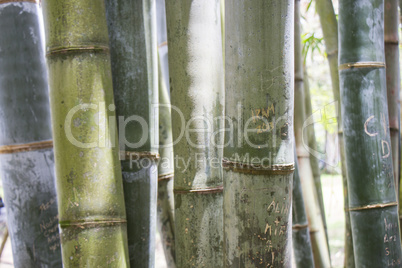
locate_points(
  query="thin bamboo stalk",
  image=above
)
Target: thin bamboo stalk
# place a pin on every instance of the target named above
(165, 204)
(372, 200)
(259, 161)
(26, 154)
(89, 184)
(310, 193)
(329, 24)
(300, 232)
(391, 46)
(166, 174)
(196, 73)
(312, 143)
(132, 33)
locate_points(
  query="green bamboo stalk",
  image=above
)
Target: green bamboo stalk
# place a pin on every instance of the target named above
(166, 174)
(196, 73)
(259, 162)
(329, 25)
(89, 184)
(26, 154)
(300, 232)
(310, 193)
(372, 200)
(391, 46)
(132, 33)
(312, 144)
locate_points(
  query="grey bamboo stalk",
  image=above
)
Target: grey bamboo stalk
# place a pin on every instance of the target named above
(300, 232)
(166, 174)
(391, 46)
(312, 143)
(329, 25)
(89, 184)
(132, 33)
(26, 154)
(196, 74)
(372, 199)
(259, 160)
(316, 223)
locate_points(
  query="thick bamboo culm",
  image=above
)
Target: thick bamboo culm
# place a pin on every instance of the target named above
(196, 83)
(26, 148)
(391, 47)
(89, 184)
(303, 252)
(315, 220)
(132, 33)
(329, 25)
(372, 199)
(259, 161)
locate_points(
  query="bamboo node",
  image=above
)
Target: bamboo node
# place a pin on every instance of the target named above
(166, 177)
(373, 206)
(279, 169)
(80, 49)
(332, 53)
(393, 129)
(207, 190)
(392, 42)
(138, 155)
(18, 1)
(33, 146)
(91, 223)
(299, 226)
(163, 44)
(362, 64)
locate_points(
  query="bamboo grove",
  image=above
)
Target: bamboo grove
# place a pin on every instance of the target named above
(121, 119)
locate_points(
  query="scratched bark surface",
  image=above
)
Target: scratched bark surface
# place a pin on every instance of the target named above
(132, 33)
(196, 81)
(391, 46)
(27, 177)
(89, 183)
(310, 193)
(300, 232)
(165, 174)
(329, 24)
(259, 98)
(375, 230)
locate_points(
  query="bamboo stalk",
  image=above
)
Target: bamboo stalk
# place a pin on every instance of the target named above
(165, 204)
(132, 33)
(166, 174)
(372, 200)
(26, 153)
(300, 232)
(310, 193)
(259, 162)
(89, 184)
(196, 73)
(391, 46)
(329, 24)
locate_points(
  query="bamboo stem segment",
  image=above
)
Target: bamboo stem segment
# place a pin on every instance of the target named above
(89, 182)
(259, 162)
(133, 47)
(26, 154)
(196, 86)
(372, 197)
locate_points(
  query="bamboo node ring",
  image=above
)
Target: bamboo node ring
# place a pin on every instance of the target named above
(33, 146)
(362, 64)
(165, 177)
(207, 190)
(128, 155)
(373, 206)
